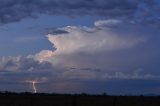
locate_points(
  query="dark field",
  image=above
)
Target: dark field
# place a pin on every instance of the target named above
(28, 99)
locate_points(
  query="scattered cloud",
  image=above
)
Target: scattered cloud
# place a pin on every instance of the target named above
(20, 64)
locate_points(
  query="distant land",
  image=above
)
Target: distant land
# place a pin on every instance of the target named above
(44, 99)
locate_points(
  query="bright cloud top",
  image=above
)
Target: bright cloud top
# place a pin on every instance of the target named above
(100, 38)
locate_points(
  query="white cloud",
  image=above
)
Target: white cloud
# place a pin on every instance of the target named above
(44, 55)
(85, 46)
(96, 39)
(113, 46)
(109, 23)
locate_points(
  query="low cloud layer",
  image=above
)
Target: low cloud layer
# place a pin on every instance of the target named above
(16, 10)
(14, 64)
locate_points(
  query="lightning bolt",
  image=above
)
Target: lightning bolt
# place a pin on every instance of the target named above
(32, 83)
(34, 86)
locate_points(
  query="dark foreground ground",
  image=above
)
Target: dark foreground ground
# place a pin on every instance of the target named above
(28, 99)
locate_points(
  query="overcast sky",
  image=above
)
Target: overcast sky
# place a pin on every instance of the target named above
(75, 46)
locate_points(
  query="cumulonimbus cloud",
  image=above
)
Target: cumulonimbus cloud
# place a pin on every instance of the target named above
(90, 52)
(111, 49)
(107, 46)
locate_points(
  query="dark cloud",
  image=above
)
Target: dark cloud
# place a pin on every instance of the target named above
(15, 10)
(14, 64)
(55, 31)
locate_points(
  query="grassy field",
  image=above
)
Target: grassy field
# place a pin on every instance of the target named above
(28, 99)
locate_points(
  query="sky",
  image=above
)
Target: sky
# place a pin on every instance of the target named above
(80, 46)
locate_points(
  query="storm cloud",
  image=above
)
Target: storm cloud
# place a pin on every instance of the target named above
(106, 50)
(103, 51)
(20, 63)
(81, 55)
(16, 10)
